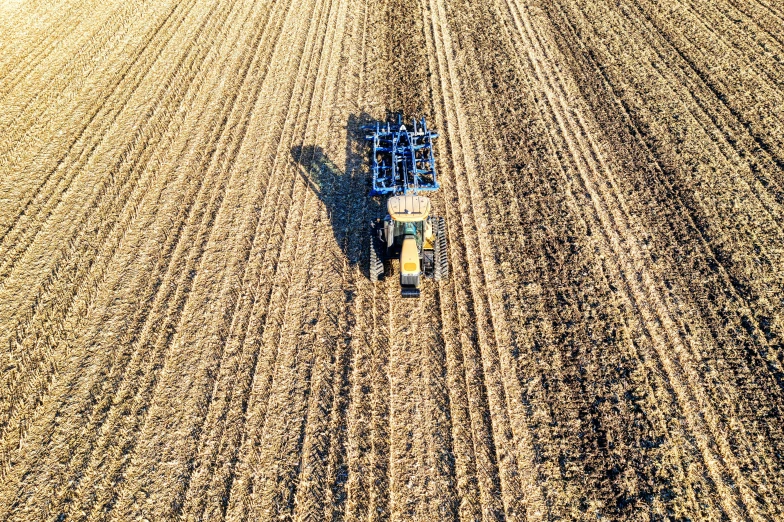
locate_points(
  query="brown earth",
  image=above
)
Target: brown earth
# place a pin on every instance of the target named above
(187, 330)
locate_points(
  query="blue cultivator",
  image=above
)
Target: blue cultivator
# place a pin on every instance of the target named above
(402, 159)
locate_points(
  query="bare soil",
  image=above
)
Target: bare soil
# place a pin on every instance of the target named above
(187, 329)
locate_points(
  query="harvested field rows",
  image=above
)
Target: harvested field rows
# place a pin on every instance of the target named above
(187, 326)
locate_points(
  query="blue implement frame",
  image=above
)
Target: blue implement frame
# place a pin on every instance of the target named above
(402, 159)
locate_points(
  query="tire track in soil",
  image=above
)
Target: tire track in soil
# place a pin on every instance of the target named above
(309, 448)
(420, 427)
(259, 318)
(478, 461)
(233, 411)
(60, 173)
(273, 199)
(741, 317)
(367, 446)
(367, 450)
(315, 497)
(654, 313)
(367, 487)
(366, 484)
(419, 483)
(36, 47)
(752, 283)
(280, 154)
(73, 282)
(153, 285)
(352, 214)
(62, 88)
(732, 263)
(64, 286)
(209, 438)
(226, 152)
(442, 483)
(767, 22)
(465, 435)
(286, 430)
(201, 380)
(725, 73)
(521, 495)
(273, 264)
(756, 390)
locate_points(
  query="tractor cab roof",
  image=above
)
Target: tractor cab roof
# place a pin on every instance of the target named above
(408, 208)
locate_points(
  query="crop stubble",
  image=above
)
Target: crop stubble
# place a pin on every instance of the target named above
(188, 330)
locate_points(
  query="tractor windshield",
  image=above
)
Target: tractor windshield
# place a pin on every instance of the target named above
(411, 228)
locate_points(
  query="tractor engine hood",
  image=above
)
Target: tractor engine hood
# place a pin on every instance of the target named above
(409, 263)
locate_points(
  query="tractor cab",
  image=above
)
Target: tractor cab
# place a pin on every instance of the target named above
(407, 218)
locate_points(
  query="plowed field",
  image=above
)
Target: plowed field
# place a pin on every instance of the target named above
(188, 330)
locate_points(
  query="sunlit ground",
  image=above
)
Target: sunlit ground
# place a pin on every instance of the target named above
(10, 5)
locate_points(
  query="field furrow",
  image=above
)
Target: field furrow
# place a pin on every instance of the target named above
(63, 163)
(646, 300)
(189, 329)
(72, 295)
(66, 295)
(763, 333)
(155, 286)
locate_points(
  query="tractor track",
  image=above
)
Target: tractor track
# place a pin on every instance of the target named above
(710, 320)
(74, 296)
(172, 241)
(45, 44)
(44, 113)
(49, 194)
(187, 329)
(71, 298)
(646, 300)
(707, 224)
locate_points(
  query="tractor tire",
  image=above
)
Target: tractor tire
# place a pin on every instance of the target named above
(376, 268)
(441, 269)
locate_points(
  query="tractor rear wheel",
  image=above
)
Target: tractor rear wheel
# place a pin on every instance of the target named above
(376, 267)
(441, 269)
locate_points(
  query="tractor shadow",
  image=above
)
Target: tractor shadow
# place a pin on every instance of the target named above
(344, 191)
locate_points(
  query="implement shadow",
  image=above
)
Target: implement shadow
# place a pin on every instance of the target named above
(345, 193)
(358, 342)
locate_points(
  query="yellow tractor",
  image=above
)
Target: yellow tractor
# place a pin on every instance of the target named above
(409, 233)
(403, 166)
